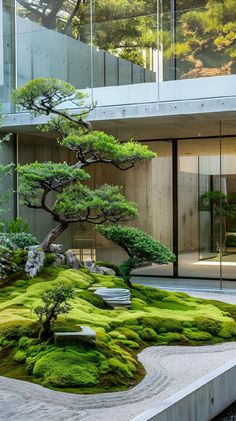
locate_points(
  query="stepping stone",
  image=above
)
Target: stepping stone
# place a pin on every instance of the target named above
(116, 297)
(86, 334)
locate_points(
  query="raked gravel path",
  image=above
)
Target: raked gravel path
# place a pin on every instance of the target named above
(169, 368)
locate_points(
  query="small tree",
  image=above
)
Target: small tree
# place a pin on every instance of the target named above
(72, 201)
(139, 246)
(55, 302)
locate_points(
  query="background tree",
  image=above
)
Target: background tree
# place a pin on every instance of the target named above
(139, 246)
(58, 188)
(205, 38)
(55, 302)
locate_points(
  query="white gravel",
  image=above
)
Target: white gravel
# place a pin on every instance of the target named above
(168, 370)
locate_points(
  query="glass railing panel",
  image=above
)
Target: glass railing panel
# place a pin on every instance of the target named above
(53, 40)
(198, 39)
(7, 65)
(127, 32)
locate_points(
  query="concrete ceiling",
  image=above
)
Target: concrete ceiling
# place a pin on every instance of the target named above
(173, 127)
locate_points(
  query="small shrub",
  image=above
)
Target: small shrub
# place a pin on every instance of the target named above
(207, 325)
(50, 258)
(228, 330)
(170, 325)
(198, 336)
(20, 356)
(103, 337)
(18, 225)
(130, 344)
(121, 368)
(129, 333)
(15, 329)
(175, 337)
(148, 334)
(25, 342)
(117, 335)
(187, 324)
(22, 240)
(21, 283)
(67, 368)
(138, 304)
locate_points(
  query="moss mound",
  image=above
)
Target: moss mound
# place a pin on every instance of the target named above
(155, 318)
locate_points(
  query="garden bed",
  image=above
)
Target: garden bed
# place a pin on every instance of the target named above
(156, 317)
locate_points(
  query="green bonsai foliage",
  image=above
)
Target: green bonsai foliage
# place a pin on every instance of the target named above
(139, 246)
(55, 302)
(73, 200)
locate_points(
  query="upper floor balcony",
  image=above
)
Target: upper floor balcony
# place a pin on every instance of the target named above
(124, 52)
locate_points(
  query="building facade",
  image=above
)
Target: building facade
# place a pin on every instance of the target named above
(162, 72)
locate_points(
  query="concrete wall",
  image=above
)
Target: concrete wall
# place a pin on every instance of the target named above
(42, 52)
(200, 401)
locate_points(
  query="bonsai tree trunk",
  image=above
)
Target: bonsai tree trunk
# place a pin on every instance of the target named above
(126, 269)
(45, 332)
(52, 235)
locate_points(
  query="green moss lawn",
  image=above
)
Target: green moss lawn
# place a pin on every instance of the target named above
(156, 317)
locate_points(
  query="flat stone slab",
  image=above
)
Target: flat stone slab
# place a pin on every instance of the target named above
(116, 297)
(86, 334)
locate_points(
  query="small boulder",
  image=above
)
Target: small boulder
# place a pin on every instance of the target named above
(55, 248)
(72, 261)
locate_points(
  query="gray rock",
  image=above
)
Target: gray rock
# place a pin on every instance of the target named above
(72, 261)
(116, 297)
(86, 334)
(55, 248)
(89, 262)
(102, 270)
(107, 271)
(59, 260)
(35, 262)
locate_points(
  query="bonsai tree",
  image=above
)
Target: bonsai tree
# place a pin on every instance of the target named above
(55, 302)
(73, 201)
(139, 246)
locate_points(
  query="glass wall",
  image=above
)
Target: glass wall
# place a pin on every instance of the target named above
(198, 38)
(150, 186)
(92, 43)
(207, 208)
(7, 52)
(88, 43)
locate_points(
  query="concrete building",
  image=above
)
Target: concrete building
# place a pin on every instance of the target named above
(162, 72)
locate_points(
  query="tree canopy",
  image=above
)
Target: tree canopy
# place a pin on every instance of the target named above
(59, 188)
(139, 246)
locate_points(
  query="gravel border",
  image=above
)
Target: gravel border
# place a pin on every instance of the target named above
(169, 368)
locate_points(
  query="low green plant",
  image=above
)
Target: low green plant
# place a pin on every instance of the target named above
(207, 325)
(67, 368)
(20, 356)
(198, 336)
(148, 334)
(139, 246)
(55, 302)
(18, 225)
